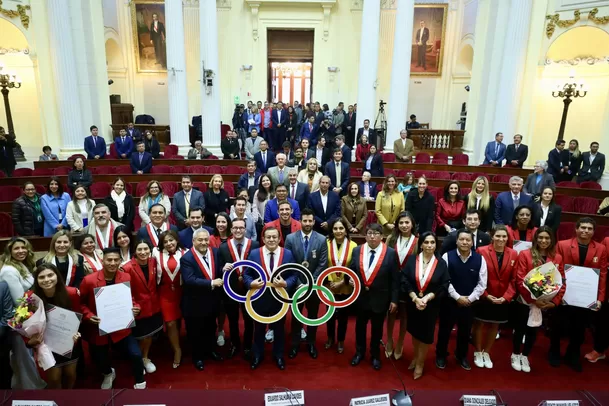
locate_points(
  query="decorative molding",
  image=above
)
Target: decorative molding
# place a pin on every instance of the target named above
(327, 10)
(357, 5)
(223, 4)
(190, 3)
(554, 20)
(21, 13)
(4, 51)
(597, 20)
(255, 6)
(582, 60)
(388, 4)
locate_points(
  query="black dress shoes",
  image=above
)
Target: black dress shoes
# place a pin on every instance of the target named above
(357, 359)
(280, 363)
(312, 351)
(441, 362)
(233, 351)
(464, 364)
(376, 364)
(293, 353)
(554, 359)
(247, 354)
(199, 365)
(256, 363)
(215, 356)
(573, 362)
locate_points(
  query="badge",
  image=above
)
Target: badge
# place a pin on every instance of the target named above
(421, 294)
(173, 287)
(314, 253)
(241, 279)
(305, 264)
(367, 288)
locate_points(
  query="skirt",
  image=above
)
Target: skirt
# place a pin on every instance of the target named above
(169, 300)
(488, 312)
(61, 360)
(422, 323)
(147, 326)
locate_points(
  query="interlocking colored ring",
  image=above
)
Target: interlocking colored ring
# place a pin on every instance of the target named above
(266, 319)
(293, 267)
(246, 264)
(357, 287)
(305, 320)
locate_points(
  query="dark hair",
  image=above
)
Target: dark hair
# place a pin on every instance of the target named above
(395, 234)
(175, 236)
(517, 211)
(472, 211)
(228, 224)
(535, 254)
(61, 297)
(560, 142)
(499, 227)
(553, 192)
(46, 148)
(280, 185)
(271, 228)
(182, 177)
(112, 250)
(122, 180)
(92, 128)
(447, 193)
(422, 238)
(284, 202)
(412, 116)
(593, 143)
(359, 191)
(59, 186)
(196, 208)
(27, 182)
(464, 231)
(79, 239)
(239, 219)
(140, 142)
(84, 163)
(140, 241)
(241, 199)
(157, 204)
(262, 193)
(307, 212)
(117, 231)
(286, 144)
(331, 228)
(585, 220)
(374, 227)
(498, 134)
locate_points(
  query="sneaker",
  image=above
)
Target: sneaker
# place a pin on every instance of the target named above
(220, 340)
(269, 336)
(486, 358)
(108, 379)
(594, 356)
(303, 334)
(498, 336)
(524, 364)
(140, 385)
(149, 366)
(516, 362)
(478, 359)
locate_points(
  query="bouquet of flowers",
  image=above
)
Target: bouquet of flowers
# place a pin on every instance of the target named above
(543, 283)
(30, 320)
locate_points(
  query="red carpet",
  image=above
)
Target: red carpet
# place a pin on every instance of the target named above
(333, 371)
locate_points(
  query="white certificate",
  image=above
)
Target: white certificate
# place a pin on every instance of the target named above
(522, 245)
(114, 307)
(582, 286)
(62, 325)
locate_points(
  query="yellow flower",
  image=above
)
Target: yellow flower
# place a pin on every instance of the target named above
(536, 277)
(22, 312)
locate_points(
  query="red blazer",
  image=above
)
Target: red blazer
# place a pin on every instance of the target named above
(277, 224)
(214, 241)
(144, 293)
(74, 298)
(514, 235)
(500, 282)
(448, 211)
(525, 264)
(361, 152)
(596, 258)
(262, 127)
(88, 308)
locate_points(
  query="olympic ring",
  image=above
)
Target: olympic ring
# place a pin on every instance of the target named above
(357, 287)
(241, 298)
(305, 320)
(299, 268)
(266, 319)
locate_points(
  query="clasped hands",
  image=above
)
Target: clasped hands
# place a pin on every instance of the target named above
(278, 282)
(495, 300)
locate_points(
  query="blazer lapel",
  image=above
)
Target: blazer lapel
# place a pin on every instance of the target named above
(575, 251)
(591, 255)
(140, 274)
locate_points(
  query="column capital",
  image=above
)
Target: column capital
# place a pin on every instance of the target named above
(190, 3)
(357, 5)
(223, 4)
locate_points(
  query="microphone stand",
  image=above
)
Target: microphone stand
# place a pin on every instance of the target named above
(401, 398)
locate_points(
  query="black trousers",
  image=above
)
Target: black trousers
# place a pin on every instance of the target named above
(312, 305)
(601, 329)
(100, 354)
(278, 341)
(376, 332)
(520, 316)
(421, 51)
(201, 332)
(6, 373)
(340, 317)
(574, 320)
(463, 317)
(232, 312)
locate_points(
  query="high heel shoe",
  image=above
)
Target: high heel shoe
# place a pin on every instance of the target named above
(341, 347)
(389, 348)
(412, 365)
(398, 354)
(418, 373)
(177, 364)
(329, 343)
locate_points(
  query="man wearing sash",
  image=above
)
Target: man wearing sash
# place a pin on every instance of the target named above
(151, 231)
(201, 295)
(237, 248)
(310, 249)
(270, 257)
(468, 275)
(374, 263)
(196, 222)
(471, 221)
(102, 227)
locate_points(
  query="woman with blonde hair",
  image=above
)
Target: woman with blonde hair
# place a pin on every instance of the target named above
(216, 199)
(79, 212)
(575, 159)
(481, 199)
(389, 204)
(68, 261)
(311, 175)
(154, 195)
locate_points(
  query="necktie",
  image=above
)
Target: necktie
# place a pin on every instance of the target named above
(205, 259)
(239, 247)
(294, 192)
(310, 128)
(281, 176)
(306, 245)
(123, 140)
(516, 147)
(371, 258)
(158, 232)
(141, 156)
(264, 159)
(95, 141)
(187, 203)
(516, 201)
(366, 191)
(271, 262)
(497, 151)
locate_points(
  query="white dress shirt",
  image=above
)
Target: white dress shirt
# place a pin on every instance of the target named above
(319, 153)
(480, 287)
(544, 215)
(377, 255)
(267, 258)
(324, 201)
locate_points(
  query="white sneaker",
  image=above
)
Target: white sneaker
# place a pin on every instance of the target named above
(108, 379)
(498, 336)
(478, 360)
(140, 385)
(524, 362)
(149, 366)
(220, 340)
(516, 362)
(303, 334)
(486, 358)
(269, 336)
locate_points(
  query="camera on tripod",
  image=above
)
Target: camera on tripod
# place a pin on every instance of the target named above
(382, 104)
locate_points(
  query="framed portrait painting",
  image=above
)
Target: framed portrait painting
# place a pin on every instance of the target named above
(148, 21)
(428, 39)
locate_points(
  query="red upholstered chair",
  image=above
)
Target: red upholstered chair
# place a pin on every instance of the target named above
(463, 176)
(461, 159)
(122, 170)
(129, 188)
(140, 189)
(465, 191)
(176, 157)
(215, 169)
(427, 174)
(169, 188)
(179, 169)
(42, 189)
(587, 205)
(391, 171)
(6, 225)
(371, 219)
(67, 190)
(73, 157)
(19, 172)
(170, 150)
(388, 157)
(10, 193)
(438, 161)
(224, 128)
(213, 157)
(495, 194)
(197, 169)
(42, 172)
(113, 153)
(501, 178)
(379, 187)
(568, 184)
(100, 190)
(355, 172)
(137, 221)
(62, 170)
(442, 175)
(161, 169)
(478, 174)
(229, 188)
(94, 170)
(601, 232)
(422, 158)
(440, 155)
(200, 185)
(566, 230)
(564, 201)
(590, 185)
(233, 170)
(106, 170)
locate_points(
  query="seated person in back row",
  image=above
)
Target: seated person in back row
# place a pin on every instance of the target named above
(199, 151)
(47, 155)
(141, 161)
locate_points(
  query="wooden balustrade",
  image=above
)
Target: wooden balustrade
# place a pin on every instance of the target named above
(437, 140)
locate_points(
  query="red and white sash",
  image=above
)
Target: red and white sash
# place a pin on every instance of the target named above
(339, 257)
(376, 264)
(71, 269)
(162, 258)
(423, 276)
(279, 251)
(154, 239)
(208, 271)
(234, 253)
(404, 250)
(107, 242)
(94, 262)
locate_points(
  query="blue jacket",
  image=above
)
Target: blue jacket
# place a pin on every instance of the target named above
(185, 236)
(97, 148)
(271, 211)
(284, 120)
(270, 161)
(504, 206)
(371, 185)
(54, 209)
(308, 134)
(491, 155)
(242, 184)
(345, 175)
(256, 118)
(332, 212)
(198, 298)
(123, 147)
(144, 166)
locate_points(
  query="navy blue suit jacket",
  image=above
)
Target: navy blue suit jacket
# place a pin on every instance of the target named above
(557, 160)
(97, 148)
(198, 298)
(376, 166)
(271, 211)
(308, 134)
(283, 121)
(144, 166)
(490, 155)
(185, 235)
(371, 186)
(302, 194)
(330, 171)
(504, 206)
(346, 153)
(243, 179)
(332, 209)
(123, 147)
(270, 161)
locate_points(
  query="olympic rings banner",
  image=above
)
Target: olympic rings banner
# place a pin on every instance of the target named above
(303, 292)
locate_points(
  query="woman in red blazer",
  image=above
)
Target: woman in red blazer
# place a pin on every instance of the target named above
(362, 150)
(221, 230)
(522, 227)
(142, 269)
(51, 288)
(542, 251)
(493, 307)
(601, 327)
(450, 210)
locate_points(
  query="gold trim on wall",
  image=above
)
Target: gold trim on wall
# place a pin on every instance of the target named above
(597, 20)
(554, 20)
(21, 13)
(136, 43)
(442, 40)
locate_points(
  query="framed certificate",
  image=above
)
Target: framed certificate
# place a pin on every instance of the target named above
(114, 307)
(522, 245)
(582, 286)
(62, 325)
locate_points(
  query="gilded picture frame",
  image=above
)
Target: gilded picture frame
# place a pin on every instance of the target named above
(149, 40)
(428, 46)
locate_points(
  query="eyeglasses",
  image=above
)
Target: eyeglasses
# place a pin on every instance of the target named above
(373, 233)
(238, 228)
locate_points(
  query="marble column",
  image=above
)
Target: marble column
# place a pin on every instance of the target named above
(193, 61)
(176, 75)
(368, 63)
(210, 75)
(65, 78)
(400, 71)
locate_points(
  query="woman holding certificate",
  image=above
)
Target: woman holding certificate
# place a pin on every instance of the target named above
(339, 254)
(425, 281)
(404, 242)
(65, 258)
(50, 287)
(149, 321)
(92, 255)
(522, 227)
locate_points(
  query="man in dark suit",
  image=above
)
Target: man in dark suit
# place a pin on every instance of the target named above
(471, 221)
(309, 130)
(237, 248)
(593, 165)
(380, 292)
(310, 249)
(558, 162)
(349, 127)
(201, 296)
(186, 200)
(322, 154)
(421, 38)
(141, 161)
(270, 257)
(494, 154)
(516, 153)
(123, 144)
(327, 130)
(250, 178)
(196, 222)
(280, 119)
(339, 173)
(157, 225)
(298, 191)
(366, 130)
(306, 152)
(271, 211)
(157, 38)
(539, 179)
(339, 141)
(325, 204)
(367, 188)
(264, 158)
(7, 156)
(507, 202)
(134, 133)
(95, 146)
